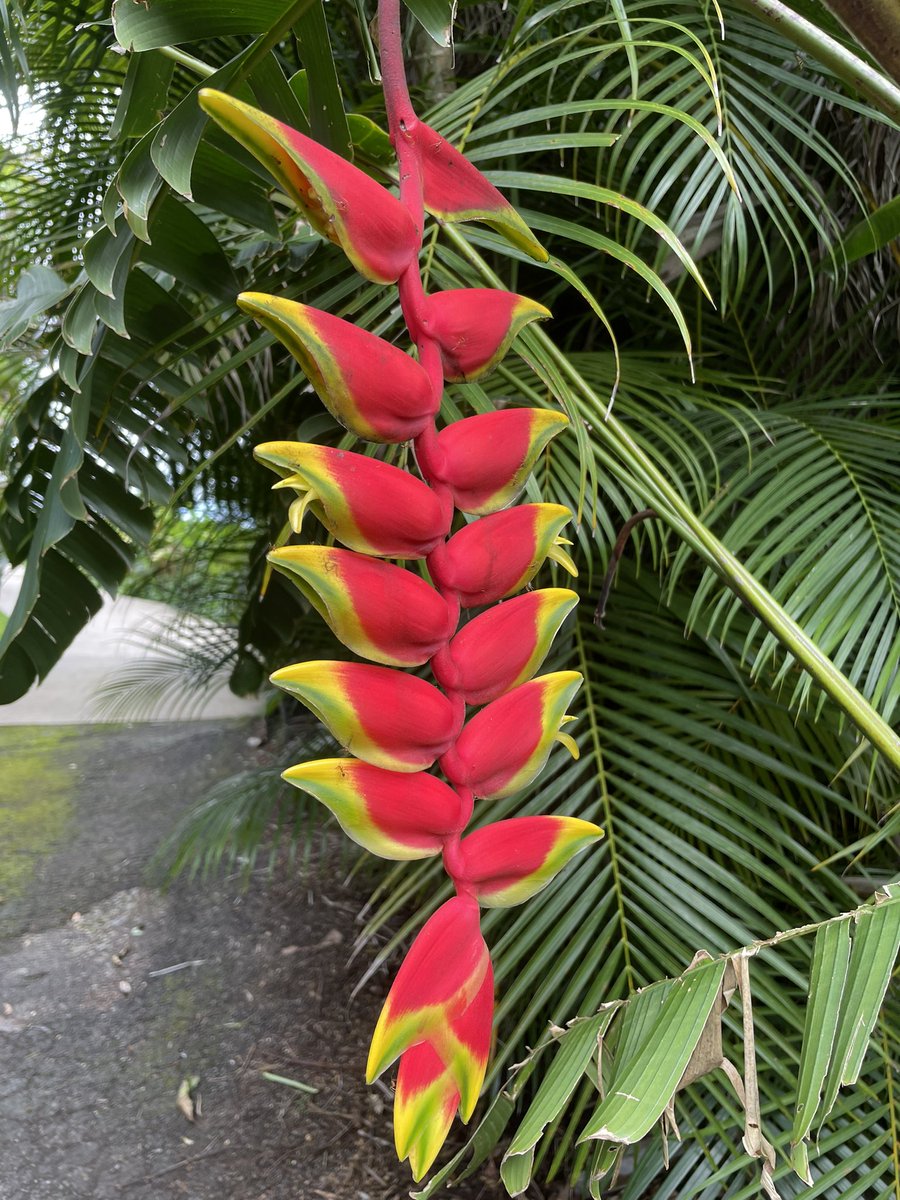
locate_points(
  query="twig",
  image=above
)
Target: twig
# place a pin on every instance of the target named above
(185, 1162)
(618, 551)
(193, 962)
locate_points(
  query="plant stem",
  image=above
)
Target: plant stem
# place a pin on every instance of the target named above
(204, 70)
(402, 120)
(847, 66)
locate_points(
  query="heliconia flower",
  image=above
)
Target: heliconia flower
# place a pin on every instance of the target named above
(505, 745)
(393, 815)
(382, 716)
(373, 388)
(455, 190)
(368, 505)
(510, 861)
(441, 975)
(428, 1093)
(474, 328)
(503, 646)
(487, 458)
(378, 610)
(496, 556)
(339, 200)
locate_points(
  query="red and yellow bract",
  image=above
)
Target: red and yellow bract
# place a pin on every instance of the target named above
(438, 979)
(506, 744)
(377, 610)
(391, 814)
(503, 646)
(455, 190)
(498, 555)
(382, 716)
(474, 328)
(486, 460)
(339, 200)
(366, 504)
(510, 861)
(374, 390)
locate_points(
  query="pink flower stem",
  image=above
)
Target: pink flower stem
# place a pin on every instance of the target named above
(402, 120)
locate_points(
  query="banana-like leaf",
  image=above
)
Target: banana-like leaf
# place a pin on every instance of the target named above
(646, 1083)
(578, 1048)
(826, 986)
(875, 231)
(171, 22)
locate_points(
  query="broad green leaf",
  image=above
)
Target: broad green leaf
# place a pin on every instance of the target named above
(80, 320)
(436, 17)
(645, 1084)
(875, 231)
(876, 942)
(325, 108)
(275, 95)
(223, 184)
(826, 984)
(634, 1026)
(184, 247)
(108, 260)
(142, 101)
(372, 142)
(516, 1172)
(147, 26)
(39, 288)
(107, 257)
(577, 1046)
(176, 139)
(138, 183)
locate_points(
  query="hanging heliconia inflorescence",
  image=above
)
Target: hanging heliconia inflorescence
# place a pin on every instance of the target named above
(437, 1018)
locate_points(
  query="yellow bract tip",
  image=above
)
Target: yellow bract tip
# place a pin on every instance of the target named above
(566, 739)
(558, 555)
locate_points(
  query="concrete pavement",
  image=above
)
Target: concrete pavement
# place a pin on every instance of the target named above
(116, 639)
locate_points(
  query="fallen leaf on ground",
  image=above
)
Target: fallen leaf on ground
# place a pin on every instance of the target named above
(188, 1099)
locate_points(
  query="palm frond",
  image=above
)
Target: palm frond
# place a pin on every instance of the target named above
(811, 509)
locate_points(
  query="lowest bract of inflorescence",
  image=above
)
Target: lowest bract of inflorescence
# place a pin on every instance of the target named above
(437, 1019)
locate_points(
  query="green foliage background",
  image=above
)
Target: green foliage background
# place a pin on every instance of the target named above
(695, 192)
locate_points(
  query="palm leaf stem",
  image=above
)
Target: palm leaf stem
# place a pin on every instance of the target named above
(847, 66)
(204, 70)
(659, 493)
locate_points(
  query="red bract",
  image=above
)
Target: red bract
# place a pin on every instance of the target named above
(455, 190)
(486, 460)
(384, 717)
(474, 328)
(437, 981)
(498, 555)
(379, 611)
(510, 861)
(505, 745)
(366, 504)
(341, 202)
(429, 1090)
(391, 814)
(503, 646)
(375, 390)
